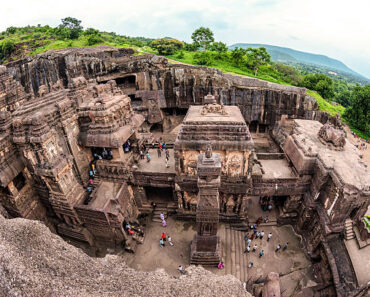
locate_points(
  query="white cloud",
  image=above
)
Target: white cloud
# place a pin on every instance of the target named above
(336, 28)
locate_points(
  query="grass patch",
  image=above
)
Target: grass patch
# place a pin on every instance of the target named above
(325, 105)
(266, 72)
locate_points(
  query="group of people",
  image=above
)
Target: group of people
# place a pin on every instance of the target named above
(160, 147)
(163, 239)
(164, 223)
(256, 234)
(265, 203)
(105, 154)
(92, 172)
(361, 143)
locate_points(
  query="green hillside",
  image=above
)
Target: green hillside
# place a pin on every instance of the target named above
(316, 63)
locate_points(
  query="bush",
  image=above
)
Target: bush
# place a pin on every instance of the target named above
(11, 30)
(203, 58)
(166, 46)
(94, 39)
(6, 48)
(190, 47)
(180, 55)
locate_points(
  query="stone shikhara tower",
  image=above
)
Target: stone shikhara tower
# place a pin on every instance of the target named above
(206, 246)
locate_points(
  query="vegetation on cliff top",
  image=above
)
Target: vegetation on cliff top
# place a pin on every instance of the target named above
(333, 95)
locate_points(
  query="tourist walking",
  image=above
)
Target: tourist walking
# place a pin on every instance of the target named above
(250, 265)
(141, 155)
(161, 243)
(262, 234)
(247, 249)
(181, 270)
(285, 246)
(278, 247)
(159, 152)
(147, 157)
(167, 162)
(221, 265)
(266, 219)
(258, 234)
(163, 236)
(168, 154)
(169, 239)
(262, 253)
(164, 224)
(249, 241)
(254, 248)
(161, 216)
(269, 236)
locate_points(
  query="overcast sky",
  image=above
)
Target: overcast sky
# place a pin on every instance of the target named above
(339, 29)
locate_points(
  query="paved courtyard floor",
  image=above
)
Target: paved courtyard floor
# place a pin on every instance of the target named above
(292, 265)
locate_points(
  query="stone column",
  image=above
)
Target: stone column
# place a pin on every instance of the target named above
(206, 246)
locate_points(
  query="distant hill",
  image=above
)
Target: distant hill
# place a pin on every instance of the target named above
(290, 56)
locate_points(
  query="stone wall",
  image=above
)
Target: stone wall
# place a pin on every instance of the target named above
(157, 83)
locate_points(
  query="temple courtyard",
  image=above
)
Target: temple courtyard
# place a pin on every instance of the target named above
(293, 266)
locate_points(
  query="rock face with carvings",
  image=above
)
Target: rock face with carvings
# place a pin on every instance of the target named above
(61, 111)
(225, 128)
(206, 246)
(339, 190)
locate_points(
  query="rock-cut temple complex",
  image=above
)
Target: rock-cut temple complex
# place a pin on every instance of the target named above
(76, 126)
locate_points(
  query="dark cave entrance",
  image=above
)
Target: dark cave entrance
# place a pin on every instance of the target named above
(156, 128)
(159, 194)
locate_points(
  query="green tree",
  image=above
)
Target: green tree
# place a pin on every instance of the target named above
(218, 46)
(288, 73)
(202, 37)
(237, 56)
(91, 31)
(73, 25)
(358, 113)
(256, 57)
(166, 46)
(320, 83)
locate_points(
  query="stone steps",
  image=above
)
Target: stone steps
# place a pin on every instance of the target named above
(157, 212)
(348, 230)
(236, 262)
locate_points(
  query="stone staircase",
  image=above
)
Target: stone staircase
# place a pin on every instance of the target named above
(160, 208)
(233, 245)
(348, 233)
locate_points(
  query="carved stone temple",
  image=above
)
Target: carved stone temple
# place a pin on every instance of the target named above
(76, 124)
(206, 246)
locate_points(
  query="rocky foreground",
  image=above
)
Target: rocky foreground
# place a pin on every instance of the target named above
(35, 262)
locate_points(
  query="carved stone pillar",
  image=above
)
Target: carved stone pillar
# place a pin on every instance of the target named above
(206, 246)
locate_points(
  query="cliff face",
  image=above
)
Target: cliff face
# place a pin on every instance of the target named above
(149, 77)
(35, 262)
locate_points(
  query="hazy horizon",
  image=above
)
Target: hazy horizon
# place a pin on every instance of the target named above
(337, 29)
